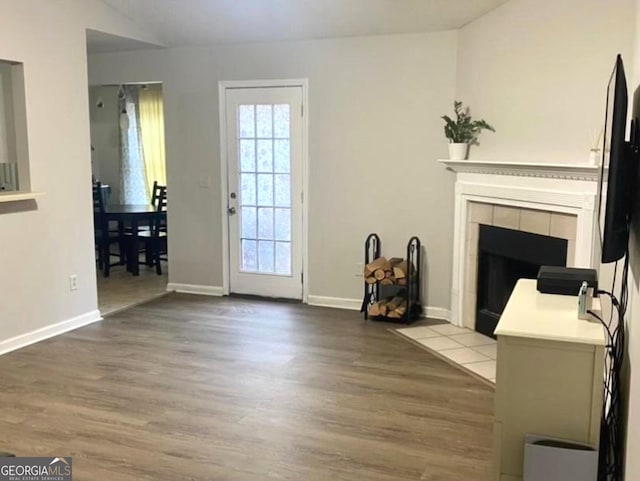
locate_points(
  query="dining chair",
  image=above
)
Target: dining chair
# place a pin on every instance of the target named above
(156, 189)
(104, 237)
(155, 239)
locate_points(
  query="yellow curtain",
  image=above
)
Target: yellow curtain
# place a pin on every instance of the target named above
(152, 132)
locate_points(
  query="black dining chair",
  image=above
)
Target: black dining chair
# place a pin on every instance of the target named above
(156, 189)
(155, 239)
(104, 237)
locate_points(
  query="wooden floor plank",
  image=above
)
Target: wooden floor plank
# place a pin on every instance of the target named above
(196, 388)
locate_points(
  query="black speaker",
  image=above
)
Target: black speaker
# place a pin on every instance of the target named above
(565, 280)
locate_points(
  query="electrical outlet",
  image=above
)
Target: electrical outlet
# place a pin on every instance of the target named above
(73, 282)
(359, 269)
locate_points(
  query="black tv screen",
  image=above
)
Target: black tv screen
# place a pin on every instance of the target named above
(617, 170)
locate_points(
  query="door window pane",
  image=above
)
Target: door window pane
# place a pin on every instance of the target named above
(247, 155)
(283, 258)
(282, 190)
(281, 121)
(249, 255)
(264, 158)
(282, 153)
(283, 224)
(249, 223)
(264, 121)
(265, 256)
(247, 121)
(247, 189)
(265, 190)
(265, 223)
(265, 155)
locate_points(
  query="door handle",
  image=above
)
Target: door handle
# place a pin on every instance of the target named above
(231, 210)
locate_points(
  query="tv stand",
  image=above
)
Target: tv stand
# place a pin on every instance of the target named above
(549, 380)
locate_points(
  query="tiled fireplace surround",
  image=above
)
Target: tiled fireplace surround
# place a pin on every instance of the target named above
(547, 199)
(543, 222)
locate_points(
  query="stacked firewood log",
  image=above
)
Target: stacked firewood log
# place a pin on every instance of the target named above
(393, 308)
(388, 272)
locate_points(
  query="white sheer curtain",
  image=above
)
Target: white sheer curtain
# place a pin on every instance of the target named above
(133, 177)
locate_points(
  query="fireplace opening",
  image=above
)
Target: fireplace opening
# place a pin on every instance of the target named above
(504, 256)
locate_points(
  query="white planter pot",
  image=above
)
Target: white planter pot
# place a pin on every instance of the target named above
(458, 151)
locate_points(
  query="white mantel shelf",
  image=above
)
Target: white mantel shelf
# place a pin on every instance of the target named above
(19, 196)
(586, 172)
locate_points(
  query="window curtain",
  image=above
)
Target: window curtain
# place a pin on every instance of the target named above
(152, 130)
(133, 175)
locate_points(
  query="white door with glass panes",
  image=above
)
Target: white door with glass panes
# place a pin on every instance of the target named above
(264, 204)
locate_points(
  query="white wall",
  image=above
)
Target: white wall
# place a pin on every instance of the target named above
(105, 137)
(375, 133)
(538, 70)
(632, 374)
(43, 243)
(7, 125)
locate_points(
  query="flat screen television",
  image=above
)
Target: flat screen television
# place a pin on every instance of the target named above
(618, 169)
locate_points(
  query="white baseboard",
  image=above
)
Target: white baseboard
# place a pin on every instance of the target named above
(320, 301)
(337, 302)
(46, 332)
(436, 313)
(355, 304)
(196, 289)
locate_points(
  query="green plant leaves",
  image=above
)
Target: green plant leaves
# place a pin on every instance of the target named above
(464, 129)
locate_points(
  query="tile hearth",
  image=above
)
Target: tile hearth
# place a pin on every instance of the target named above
(460, 346)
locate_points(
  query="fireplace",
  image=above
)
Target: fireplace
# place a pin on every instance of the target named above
(549, 199)
(504, 256)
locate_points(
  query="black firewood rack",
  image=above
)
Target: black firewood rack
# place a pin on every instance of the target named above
(410, 291)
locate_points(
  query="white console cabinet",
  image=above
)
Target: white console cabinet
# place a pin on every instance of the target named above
(549, 380)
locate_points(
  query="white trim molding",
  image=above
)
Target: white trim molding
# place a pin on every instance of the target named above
(336, 302)
(356, 304)
(215, 291)
(19, 196)
(24, 340)
(223, 86)
(586, 172)
(437, 313)
(568, 189)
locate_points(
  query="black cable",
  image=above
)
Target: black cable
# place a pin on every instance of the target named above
(604, 324)
(610, 458)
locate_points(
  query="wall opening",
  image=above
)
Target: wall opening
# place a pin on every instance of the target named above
(14, 158)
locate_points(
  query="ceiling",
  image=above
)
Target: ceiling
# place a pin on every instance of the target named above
(100, 42)
(203, 22)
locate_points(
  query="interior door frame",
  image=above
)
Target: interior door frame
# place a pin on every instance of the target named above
(223, 86)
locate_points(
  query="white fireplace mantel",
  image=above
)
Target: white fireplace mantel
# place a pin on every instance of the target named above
(585, 172)
(562, 188)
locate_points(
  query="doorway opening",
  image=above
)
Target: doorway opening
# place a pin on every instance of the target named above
(130, 193)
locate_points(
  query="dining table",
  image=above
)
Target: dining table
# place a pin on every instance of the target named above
(130, 216)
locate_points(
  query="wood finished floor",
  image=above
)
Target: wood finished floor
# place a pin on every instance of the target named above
(121, 290)
(196, 388)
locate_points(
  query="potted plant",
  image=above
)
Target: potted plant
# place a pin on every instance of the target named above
(463, 131)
